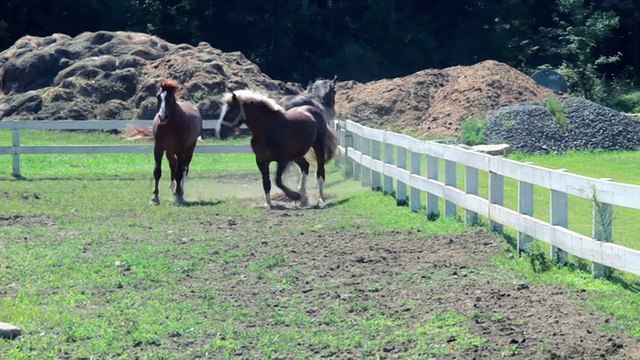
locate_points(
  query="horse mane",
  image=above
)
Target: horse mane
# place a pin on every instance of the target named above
(252, 97)
(169, 84)
(319, 87)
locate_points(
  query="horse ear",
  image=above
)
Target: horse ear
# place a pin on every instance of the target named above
(234, 98)
(334, 79)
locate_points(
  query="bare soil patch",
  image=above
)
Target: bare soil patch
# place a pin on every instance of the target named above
(413, 276)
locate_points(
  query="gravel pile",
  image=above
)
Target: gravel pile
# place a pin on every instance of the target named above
(530, 127)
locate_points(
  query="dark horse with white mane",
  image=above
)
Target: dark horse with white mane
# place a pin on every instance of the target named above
(320, 94)
(176, 129)
(280, 136)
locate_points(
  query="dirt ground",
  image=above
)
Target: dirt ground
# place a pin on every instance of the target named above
(409, 272)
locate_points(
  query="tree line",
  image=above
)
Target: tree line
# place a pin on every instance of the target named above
(594, 43)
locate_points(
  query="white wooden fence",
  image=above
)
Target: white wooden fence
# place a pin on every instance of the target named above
(379, 159)
(16, 149)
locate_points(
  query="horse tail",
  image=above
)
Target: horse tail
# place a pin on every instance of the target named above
(133, 132)
(330, 147)
(330, 144)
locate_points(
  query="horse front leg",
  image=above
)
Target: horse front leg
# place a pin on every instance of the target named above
(157, 173)
(263, 166)
(282, 166)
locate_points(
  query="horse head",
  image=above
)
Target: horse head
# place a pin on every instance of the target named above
(232, 115)
(246, 107)
(166, 99)
(329, 100)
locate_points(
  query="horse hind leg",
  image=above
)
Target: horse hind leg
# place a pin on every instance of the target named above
(266, 182)
(172, 165)
(178, 195)
(320, 172)
(187, 162)
(293, 195)
(177, 169)
(304, 173)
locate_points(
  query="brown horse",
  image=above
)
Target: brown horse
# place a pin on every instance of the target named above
(280, 136)
(176, 130)
(321, 94)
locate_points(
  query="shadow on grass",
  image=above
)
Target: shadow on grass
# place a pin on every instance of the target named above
(202, 203)
(79, 178)
(329, 204)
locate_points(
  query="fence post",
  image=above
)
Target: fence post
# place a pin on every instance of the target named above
(496, 196)
(375, 176)
(450, 180)
(559, 216)
(15, 142)
(415, 195)
(471, 187)
(401, 161)
(388, 159)
(339, 160)
(357, 146)
(525, 207)
(602, 230)
(348, 147)
(365, 149)
(432, 200)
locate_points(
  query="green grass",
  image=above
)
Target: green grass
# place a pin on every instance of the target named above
(622, 166)
(90, 270)
(119, 165)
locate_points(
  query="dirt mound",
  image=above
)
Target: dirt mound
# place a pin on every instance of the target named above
(114, 75)
(435, 102)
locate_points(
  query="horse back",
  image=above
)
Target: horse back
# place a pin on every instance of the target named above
(192, 121)
(307, 117)
(291, 102)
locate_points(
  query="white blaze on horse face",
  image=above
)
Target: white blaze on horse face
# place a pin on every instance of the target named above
(223, 113)
(162, 112)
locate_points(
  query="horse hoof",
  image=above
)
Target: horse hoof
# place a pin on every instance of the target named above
(304, 201)
(154, 202)
(294, 196)
(178, 200)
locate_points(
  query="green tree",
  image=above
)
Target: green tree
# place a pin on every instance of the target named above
(578, 37)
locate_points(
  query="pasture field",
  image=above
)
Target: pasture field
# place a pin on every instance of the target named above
(89, 270)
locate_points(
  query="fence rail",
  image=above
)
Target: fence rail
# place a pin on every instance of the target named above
(379, 159)
(16, 149)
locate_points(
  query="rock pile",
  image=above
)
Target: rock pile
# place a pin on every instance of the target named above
(578, 125)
